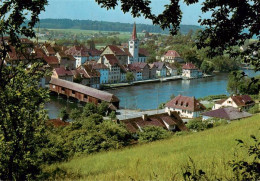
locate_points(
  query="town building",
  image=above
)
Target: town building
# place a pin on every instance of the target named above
(171, 70)
(188, 107)
(190, 71)
(172, 56)
(160, 69)
(62, 73)
(143, 67)
(170, 121)
(243, 102)
(227, 113)
(152, 71)
(102, 69)
(119, 53)
(111, 61)
(136, 70)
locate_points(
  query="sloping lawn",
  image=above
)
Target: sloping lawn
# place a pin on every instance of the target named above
(163, 160)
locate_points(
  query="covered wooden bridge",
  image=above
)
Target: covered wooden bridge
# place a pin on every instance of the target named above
(83, 93)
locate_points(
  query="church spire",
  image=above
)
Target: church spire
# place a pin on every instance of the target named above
(134, 36)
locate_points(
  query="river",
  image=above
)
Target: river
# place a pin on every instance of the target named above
(149, 96)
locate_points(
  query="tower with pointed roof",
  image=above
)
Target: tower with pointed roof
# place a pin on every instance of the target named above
(134, 46)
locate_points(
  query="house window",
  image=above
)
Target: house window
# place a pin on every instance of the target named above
(73, 92)
(85, 96)
(181, 103)
(131, 46)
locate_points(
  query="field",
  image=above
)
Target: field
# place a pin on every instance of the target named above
(164, 160)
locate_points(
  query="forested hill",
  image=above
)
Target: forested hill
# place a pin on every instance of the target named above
(106, 26)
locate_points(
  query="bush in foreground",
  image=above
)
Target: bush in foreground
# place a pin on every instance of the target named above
(152, 133)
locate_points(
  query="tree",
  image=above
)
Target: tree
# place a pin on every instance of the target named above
(152, 133)
(102, 108)
(130, 77)
(234, 81)
(75, 114)
(63, 114)
(112, 115)
(22, 115)
(206, 67)
(89, 109)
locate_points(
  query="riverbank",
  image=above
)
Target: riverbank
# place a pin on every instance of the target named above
(163, 79)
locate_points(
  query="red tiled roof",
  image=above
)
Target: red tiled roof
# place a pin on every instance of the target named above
(185, 103)
(116, 50)
(51, 60)
(50, 49)
(133, 124)
(228, 113)
(134, 68)
(102, 95)
(242, 100)
(90, 71)
(111, 59)
(62, 71)
(172, 53)
(77, 51)
(96, 65)
(189, 66)
(220, 101)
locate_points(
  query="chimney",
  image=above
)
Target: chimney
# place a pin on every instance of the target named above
(144, 116)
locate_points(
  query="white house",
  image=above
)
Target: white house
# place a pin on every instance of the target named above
(189, 71)
(187, 107)
(171, 56)
(244, 102)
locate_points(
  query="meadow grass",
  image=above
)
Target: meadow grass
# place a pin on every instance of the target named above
(164, 160)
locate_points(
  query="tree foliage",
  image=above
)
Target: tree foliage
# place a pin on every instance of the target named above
(21, 100)
(130, 76)
(152, 133)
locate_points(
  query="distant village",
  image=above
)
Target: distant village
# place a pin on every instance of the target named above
(79, 72)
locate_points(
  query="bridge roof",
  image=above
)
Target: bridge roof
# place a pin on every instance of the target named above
(102, 95)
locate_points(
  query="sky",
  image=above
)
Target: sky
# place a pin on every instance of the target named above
(90, 10)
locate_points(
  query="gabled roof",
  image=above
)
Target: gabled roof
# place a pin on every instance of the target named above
(111, 59)
(172, 53)
(228, 113)
(102, 95)
(141, 65)
(49, 48)
(189, 66)
(77, 51)
(134, 124)
(185, 103)
(96, 65)
(51, 60)
(159, 65)
(134, 68)
(171, 66)
(242, 100)
(90, 71)
(62, 71)
(116, 50)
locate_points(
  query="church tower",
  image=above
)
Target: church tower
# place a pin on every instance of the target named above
(134, 45)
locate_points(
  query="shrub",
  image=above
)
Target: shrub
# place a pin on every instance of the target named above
(255, 109)
(152, 133)
(89, 109)
(198, 125)
(102, 108)
(63, 114)
(75, 114)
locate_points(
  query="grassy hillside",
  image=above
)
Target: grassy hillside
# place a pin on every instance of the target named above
(163, 160)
